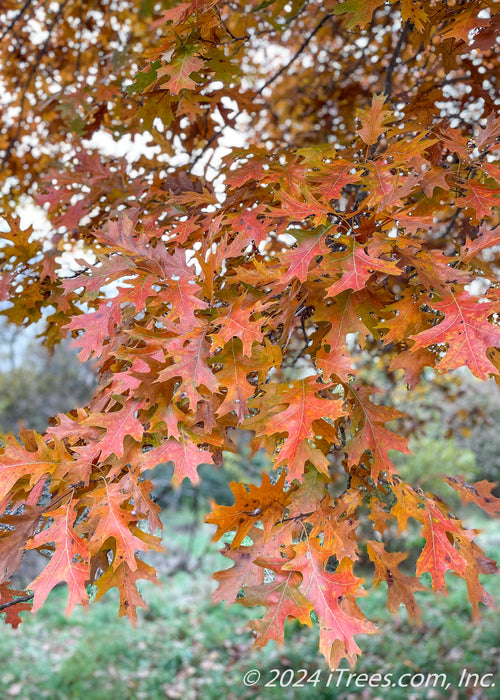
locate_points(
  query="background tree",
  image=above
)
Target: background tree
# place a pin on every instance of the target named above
(364, 204)
(35, 385)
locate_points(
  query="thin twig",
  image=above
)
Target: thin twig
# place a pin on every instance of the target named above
(301, 48)
(16, 19)
(299, 12)
(245, 37)
(394, 58)
(282, 70)
(206, 147)
(306, 340)
(451, 223)
(22, 599)
(80, 39)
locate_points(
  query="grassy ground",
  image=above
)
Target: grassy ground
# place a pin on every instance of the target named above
(186, 647)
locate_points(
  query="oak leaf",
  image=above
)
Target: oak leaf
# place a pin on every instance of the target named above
(333, 597)
(467, 332)
(69, 561)
(400, 588)
(179, 72)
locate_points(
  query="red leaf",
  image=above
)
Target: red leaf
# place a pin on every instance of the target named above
(190, 354)
(333, 597)
(467, 332)
(439, 554)
(185, 455)
(303, 409)
(112, 517)
(372, 435)
(480, 198)
(69, 562)
(10, 595)
(356, 268)
(235, 322)
(118, 426)
(282, 600)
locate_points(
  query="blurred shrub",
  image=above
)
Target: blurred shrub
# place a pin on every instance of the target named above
(433, 458)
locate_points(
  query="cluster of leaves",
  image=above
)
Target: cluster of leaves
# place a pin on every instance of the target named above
(356, 209)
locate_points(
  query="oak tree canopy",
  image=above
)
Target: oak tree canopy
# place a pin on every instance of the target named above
(315, 187)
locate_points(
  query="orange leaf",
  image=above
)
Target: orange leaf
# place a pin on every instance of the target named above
(266, 503)
(375, 119)
(478, 493)
(400, 588)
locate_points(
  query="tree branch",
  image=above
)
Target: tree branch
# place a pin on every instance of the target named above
(394, 58)
(22, 599)
(41, 53)
(301, 48)
(205, 148)
(16, 19)
(451, 223)
(282, 70)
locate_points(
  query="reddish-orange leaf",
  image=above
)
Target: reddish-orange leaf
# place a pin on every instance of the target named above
(235, 322)
(282, 599)
(190, 354)
(371, 433)
(118, 425)
(69, 562)
(98, 328)
(10, 595)
(235, 371)
(480, 199)
(478, 493)
(297, 209)
(244, 571)
(413, 363)
(486, 238)
(439, 554)
(297, 261)
(112, 517)
(357, 267)
(335, 359)
(333, 598)
(185, 455)
(467, 332)
(487, 136)
(303, 408)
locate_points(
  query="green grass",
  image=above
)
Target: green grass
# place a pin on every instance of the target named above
(186, 647)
